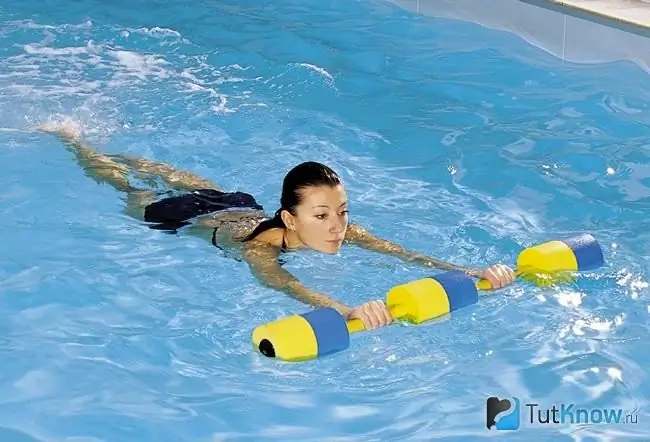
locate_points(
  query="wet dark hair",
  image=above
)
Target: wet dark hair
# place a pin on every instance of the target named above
(307, 174)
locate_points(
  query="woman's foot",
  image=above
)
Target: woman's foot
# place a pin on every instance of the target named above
(66, 129)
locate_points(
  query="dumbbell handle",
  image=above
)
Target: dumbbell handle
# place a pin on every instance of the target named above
(396, 312)
(484, 284)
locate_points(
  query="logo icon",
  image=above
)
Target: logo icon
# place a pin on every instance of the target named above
(502, 414)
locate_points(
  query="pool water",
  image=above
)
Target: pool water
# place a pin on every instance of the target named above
(460, 142)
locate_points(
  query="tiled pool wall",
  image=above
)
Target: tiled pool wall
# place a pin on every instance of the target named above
(581, 31)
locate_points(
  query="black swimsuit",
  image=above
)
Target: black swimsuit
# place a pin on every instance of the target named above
(174, 212)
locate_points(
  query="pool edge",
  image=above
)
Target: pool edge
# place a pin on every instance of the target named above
(581, 31)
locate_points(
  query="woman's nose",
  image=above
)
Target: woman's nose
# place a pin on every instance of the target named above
(336, 225)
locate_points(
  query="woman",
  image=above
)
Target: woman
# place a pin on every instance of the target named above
(313, 214)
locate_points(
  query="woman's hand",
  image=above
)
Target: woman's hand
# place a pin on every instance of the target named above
(499, 275)
(373, 314)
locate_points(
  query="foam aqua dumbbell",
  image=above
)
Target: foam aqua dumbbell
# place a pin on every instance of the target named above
(324, 331)
(576, 253)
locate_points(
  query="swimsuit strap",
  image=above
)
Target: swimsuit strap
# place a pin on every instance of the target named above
(284, 243)
(214, 238)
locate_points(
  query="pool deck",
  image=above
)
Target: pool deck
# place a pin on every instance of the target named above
(632, 12)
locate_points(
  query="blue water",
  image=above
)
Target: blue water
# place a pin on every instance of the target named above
(460, 142)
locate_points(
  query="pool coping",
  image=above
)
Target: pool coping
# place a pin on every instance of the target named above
(617, 14)
(575, 31)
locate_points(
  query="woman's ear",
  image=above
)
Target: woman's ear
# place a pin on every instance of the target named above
(288, 220)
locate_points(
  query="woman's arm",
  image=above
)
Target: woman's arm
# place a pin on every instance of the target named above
(360, 236)
(263, 261)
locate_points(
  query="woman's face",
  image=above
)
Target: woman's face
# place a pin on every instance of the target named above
(321, 219)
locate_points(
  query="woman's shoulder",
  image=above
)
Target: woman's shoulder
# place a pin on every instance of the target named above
(272, 236)
(354, 232)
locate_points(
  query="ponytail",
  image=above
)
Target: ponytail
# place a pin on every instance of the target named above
(275, 222)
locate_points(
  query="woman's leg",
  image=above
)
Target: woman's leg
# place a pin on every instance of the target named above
(104, 169)
(174, 178)
(97, 166)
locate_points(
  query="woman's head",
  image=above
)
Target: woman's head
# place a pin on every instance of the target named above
(313, 208)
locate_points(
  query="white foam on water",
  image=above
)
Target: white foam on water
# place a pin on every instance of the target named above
(47, 79)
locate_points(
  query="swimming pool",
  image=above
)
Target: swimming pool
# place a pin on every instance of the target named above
(460, 142)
